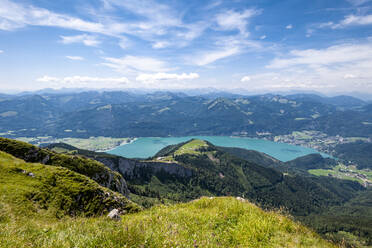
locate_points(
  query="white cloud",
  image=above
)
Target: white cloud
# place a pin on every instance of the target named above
(213, 4)
(342, 67)
(75, 57)
(13, 15)
(154, 20)
(346, 76)
(47, 79)
(356, 20)
(130, 64)
(289, 26)
(166, 76)
(88, 40)
(345, 53)
(283, 81)
(209, 57)
(350, 20)
(84, 82)
(1, 51)
(231, 20)
(263, 37)
(160, 44)
(246, 79)
(156, 14)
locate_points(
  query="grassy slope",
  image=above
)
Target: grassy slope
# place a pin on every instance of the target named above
(88, 167)
(218, 222)
(52, 191)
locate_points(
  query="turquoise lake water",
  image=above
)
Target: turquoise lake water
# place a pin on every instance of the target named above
(149, 146)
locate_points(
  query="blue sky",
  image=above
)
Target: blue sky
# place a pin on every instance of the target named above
(259, 46)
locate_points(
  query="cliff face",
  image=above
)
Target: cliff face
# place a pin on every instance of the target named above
(131, 169)
(88, 167)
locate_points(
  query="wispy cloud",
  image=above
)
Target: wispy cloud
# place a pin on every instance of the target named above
(233, 20)
(84, 82)
(213, 4)
(166, 76)
(88, 40)
(350, 20)
(160, 44)
(289, 26)
(356, 20)
(154, 20)
(209, 57)
(346, 53)
(14, 15)
(338, 67)
(74, 57)
(229, 45)
(135, 64)
(1, 51)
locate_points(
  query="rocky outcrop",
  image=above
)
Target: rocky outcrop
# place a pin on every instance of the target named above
(130, 168)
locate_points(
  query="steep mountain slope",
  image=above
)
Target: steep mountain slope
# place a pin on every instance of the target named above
(253, 156)
(31, 189)
(90, 168)
(297, 166)
(359, 153)
(27, 112)
(350, 221)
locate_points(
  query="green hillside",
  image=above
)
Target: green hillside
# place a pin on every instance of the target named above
(29, 190)
(90, 168)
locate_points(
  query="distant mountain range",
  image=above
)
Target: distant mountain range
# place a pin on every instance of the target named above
(127, 114)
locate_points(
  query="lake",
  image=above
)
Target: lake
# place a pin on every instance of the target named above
(149, 146)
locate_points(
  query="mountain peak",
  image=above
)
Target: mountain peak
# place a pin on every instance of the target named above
(194, 146)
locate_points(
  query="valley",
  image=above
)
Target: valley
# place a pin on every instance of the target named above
(349, 172)
(316, 140)
(167, 148)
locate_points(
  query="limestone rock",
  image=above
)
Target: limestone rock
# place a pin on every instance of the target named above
(114, 214)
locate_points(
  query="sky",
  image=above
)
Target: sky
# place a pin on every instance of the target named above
(251, 45)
